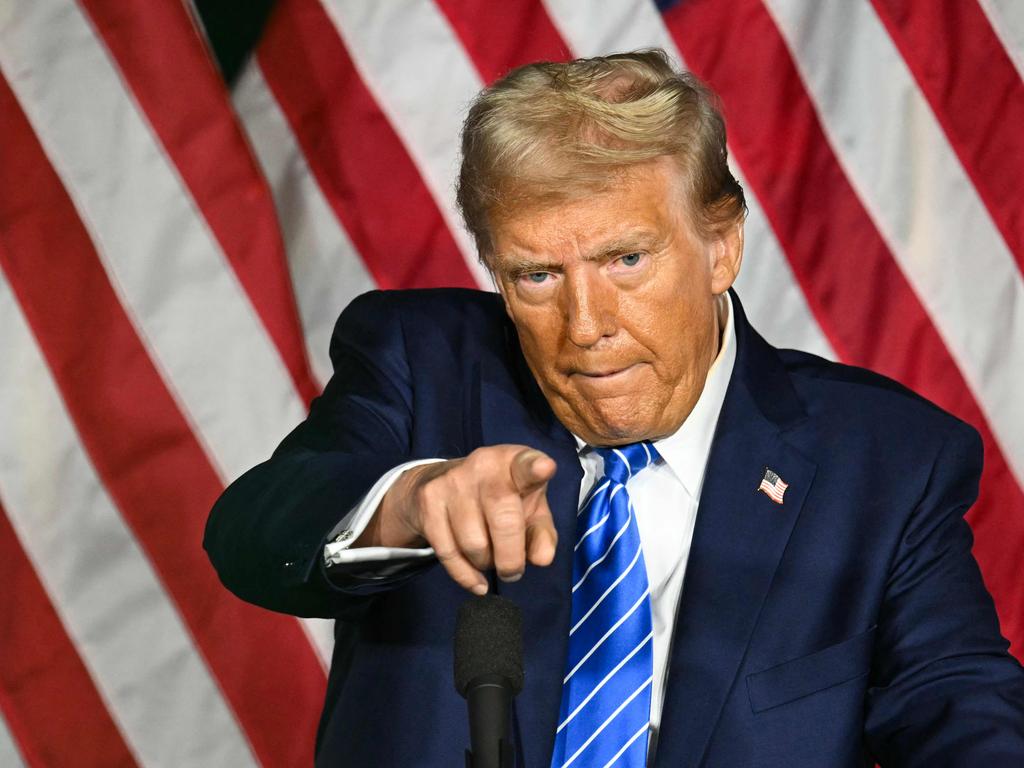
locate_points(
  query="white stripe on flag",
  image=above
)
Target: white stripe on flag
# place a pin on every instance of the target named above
(391, 45)
(771, 296)
(327, 272)
(1007, 19)
(920, 198)
(163, 261)
(128, 633)
(601, 27)
(9, 754)
(168, 270)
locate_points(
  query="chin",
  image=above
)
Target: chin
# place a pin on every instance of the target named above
(610, 421)
(622, 431)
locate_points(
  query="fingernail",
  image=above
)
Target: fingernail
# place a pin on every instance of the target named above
(512, 577)
(480, 589)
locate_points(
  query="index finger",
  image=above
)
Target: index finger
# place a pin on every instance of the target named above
(531, 470)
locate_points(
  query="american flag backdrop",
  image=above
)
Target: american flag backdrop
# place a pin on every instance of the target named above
(173, 256)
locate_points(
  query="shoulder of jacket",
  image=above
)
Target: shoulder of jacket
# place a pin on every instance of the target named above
(869, 399)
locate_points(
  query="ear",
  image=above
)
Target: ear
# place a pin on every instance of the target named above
(726, 257)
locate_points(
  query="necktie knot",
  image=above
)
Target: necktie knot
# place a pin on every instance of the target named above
(624, 461)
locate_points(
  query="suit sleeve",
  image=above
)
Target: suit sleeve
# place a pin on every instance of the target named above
(945, 692)
(266, 533)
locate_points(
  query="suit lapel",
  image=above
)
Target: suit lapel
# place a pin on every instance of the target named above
(739, 538)
(512, 410)
(738, 541)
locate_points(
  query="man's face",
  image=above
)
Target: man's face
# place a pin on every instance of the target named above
(615, 300)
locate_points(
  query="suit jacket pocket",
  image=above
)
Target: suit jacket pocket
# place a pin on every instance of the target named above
(791, 680)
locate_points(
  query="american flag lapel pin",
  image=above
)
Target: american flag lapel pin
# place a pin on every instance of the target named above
(772, 486)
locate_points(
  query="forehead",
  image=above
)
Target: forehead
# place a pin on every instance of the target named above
(638, 205)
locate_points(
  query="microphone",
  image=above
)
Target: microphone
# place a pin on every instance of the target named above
(488, 673)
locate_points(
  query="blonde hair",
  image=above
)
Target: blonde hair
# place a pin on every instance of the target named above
(549, 132)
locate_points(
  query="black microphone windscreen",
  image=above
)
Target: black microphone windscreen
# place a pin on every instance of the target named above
(489, 641)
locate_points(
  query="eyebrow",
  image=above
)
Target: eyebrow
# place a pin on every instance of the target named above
(514, 266)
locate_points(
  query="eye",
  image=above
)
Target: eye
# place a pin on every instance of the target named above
(631, 259)
(536, 277)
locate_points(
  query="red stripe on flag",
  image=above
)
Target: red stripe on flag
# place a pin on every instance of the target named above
(359, 161)
(502, 36)
(47, 696)
(143, 449)
(976, 94)
(854, 287)
(166, 65)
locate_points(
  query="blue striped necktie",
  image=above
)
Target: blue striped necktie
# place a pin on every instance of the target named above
(606, 693)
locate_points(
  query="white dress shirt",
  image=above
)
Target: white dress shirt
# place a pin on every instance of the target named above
(664, 497)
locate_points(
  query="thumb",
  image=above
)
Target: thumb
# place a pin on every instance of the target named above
(541, 536)
(531, 469)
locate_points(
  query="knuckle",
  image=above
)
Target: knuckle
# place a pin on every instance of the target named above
(491, 457)
(474, 543)
(425, 495)
(429, 515)
(541, 516)
(507, 520)
(479, 457)
(446, 554)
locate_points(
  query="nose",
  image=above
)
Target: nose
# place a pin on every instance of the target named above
(590, 309)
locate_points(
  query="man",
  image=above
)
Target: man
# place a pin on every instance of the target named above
(551, 443)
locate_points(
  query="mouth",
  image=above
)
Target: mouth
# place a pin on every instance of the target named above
(609, 373)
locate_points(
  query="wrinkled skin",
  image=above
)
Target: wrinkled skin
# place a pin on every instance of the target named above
(615, 297)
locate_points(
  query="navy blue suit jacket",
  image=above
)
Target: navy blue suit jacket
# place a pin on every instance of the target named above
(847, 625)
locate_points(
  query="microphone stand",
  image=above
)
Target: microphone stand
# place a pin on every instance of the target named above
(488, 697)
(488, 657)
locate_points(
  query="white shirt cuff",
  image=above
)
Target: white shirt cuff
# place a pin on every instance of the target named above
(338, 551)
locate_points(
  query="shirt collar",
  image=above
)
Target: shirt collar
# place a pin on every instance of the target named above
(686, 451)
